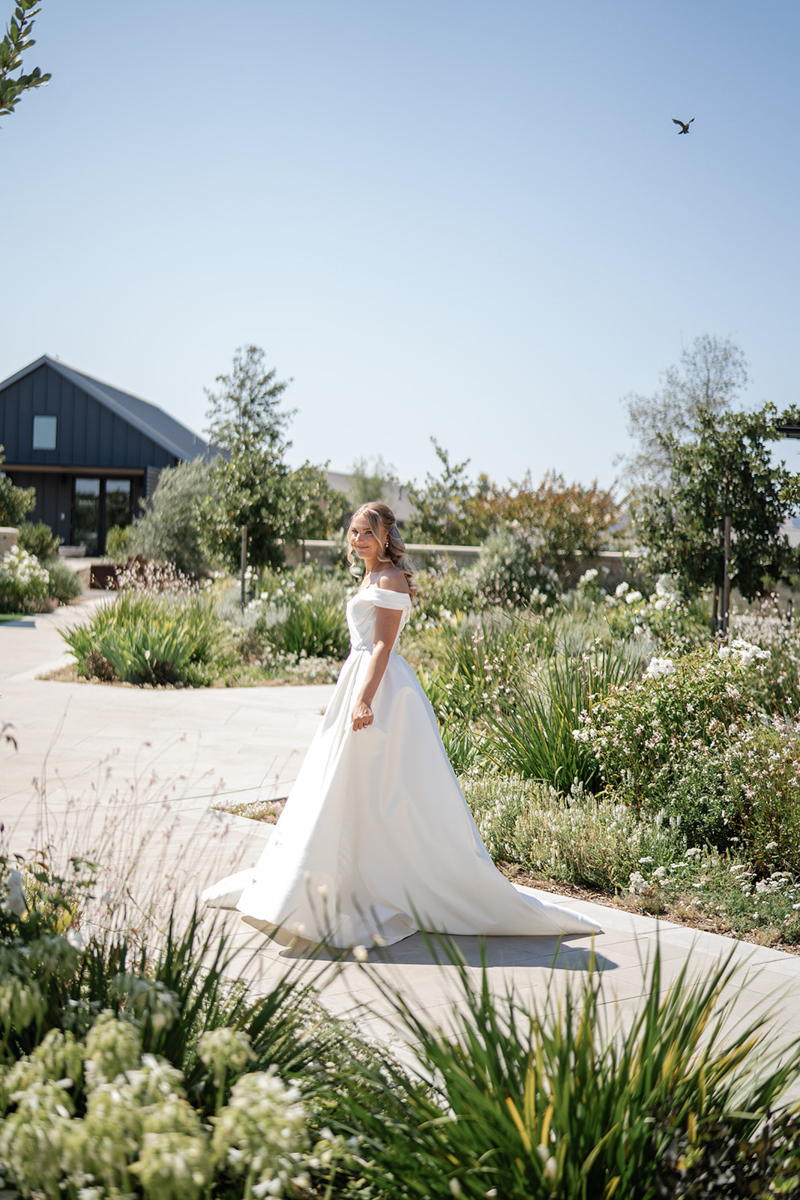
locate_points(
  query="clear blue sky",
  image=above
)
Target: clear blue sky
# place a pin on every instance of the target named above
(472, 220)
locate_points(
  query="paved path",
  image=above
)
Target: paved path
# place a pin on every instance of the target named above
(136, 774)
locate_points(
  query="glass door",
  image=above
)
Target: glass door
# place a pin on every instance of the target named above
(118, 503)
(86, 515)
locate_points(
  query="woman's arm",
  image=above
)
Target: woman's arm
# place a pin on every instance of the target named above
(387, 623)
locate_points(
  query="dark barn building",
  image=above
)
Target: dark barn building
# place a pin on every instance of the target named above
(90, 451)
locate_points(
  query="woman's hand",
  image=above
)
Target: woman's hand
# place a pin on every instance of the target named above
(362, 716)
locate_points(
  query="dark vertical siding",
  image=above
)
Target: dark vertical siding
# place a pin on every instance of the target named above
(89, 434)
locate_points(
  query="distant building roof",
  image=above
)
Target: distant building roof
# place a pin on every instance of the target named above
(147, 418)
(394, 494)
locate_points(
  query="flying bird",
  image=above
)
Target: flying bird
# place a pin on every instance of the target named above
(684, 125)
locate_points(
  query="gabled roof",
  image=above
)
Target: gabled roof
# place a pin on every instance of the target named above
(153, 422)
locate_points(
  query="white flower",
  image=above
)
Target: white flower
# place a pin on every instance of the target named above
(75, 939)
(621, 589)
(659, 666)
(16, 902)
(638, 883)
(633, 597)
(323, 891)
(360, 953)
(225, 1050)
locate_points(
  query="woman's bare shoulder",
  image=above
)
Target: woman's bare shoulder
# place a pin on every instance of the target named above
(393, 580)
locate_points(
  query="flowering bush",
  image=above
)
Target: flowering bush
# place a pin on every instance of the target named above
(23, 582)
(445, 591)
(662, 616)
(160, 1082)
(143, 575)
(510, 573)
(770, 629)
(692, 739)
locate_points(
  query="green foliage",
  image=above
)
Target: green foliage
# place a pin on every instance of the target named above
(559, 1100)
(692, 739)
(170, 531)
(119, 541)
(662, 617)
(313, 508)
(444, 591)
(563, 524)
(579, 838)
(119, 1056)
(16, 42)
(253, 485)
(370, 481)
(509, 572)
(314, 626)
(725, 470)
(15, 502)
(63, 584)
(531, 732)
(23, 582)
(302, 612)
(711, 374)
(39, 540)
(245, 414)
(443, 510)
(146, 638)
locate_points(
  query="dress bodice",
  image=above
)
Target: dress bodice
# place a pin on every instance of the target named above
(361, 614)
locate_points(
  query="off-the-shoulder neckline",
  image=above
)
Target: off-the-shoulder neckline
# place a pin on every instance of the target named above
(373, 587)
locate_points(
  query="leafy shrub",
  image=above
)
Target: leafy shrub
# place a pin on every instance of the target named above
(39, 540)
(314, 626)
(510, 573)
(639, 734)
(691, 738)
(119, 543)
(672, 624)
(15, 502)
(532, 728)
(444, 591)
(23, 582)
(170, 529)
(768, 628)
(299, 613)
(63, 583)
(577, 838)
(147, 639)
(561, 1100)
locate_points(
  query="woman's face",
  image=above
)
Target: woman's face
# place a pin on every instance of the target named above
(363, 540)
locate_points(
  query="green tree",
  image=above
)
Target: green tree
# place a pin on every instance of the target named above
(562, 523)
(313, 508)
(170, 529)
(444, 508)
(726, 469)
(15, 502)
(13, 82)
(252, 484)
(370, 480)
(708, 380)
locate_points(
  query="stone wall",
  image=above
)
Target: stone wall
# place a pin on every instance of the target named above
(8, 538)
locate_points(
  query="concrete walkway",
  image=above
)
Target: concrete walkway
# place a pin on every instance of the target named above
(135, 776)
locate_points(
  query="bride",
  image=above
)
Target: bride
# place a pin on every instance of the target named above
(376, 838)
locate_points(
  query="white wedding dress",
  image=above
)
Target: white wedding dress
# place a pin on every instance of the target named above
(376, 839)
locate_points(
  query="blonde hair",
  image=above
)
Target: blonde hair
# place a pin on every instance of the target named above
(392, 547)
